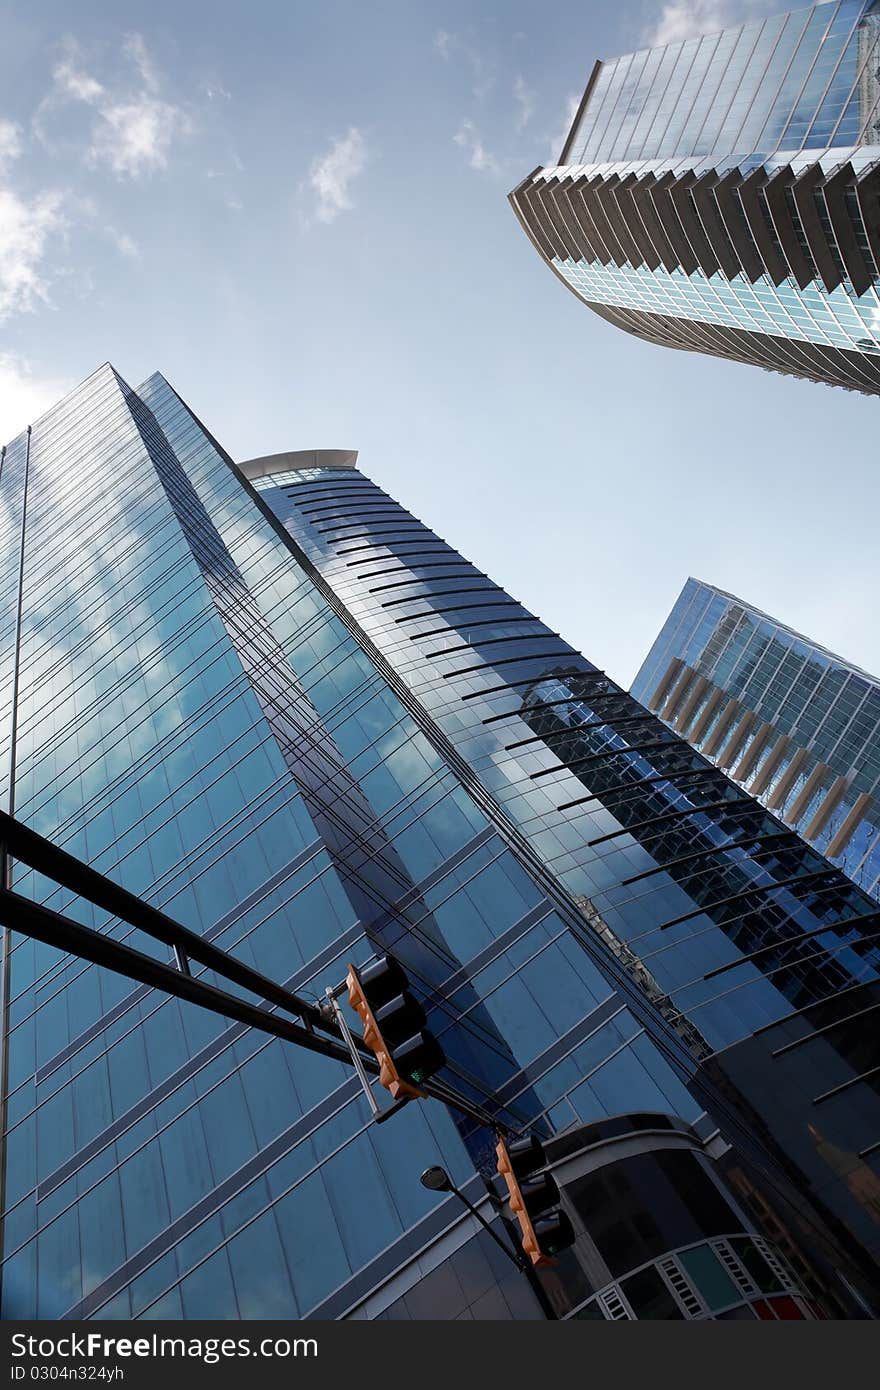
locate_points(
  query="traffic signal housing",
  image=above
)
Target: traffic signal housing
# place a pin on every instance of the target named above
(534, 1200)
(394, 1027)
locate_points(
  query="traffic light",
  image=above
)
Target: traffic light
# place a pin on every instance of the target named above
(534, 1199)
(394, 1027)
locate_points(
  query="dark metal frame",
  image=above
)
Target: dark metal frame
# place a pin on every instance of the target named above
(315, 1031)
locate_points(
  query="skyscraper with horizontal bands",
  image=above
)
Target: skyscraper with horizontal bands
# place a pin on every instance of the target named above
(270, 701)
(794, 724)
(722, 195)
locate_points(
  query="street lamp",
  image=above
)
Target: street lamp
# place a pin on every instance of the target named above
(436, 1179)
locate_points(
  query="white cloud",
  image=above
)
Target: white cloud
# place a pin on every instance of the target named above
(10, 144)
(525, 100)
(134, 137)
(685, 19)
(124, 243)
(469, 138)
(133, 128)
(332, 174)
(215, 91)
(70, 81)
(557, 141)
(25, 229)
(23, 396)
(136, 50)
(482, 71)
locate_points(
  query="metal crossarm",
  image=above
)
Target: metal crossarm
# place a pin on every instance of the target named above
(29, 918)
(33, 919)
(67, 871)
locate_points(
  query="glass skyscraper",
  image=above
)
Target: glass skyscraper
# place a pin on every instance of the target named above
(271, 702)
(722, 194)
(794, 724)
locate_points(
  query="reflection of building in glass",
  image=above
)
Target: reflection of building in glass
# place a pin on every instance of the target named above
(272, 702)
(636, 968)
(795, 725)
(722, 194)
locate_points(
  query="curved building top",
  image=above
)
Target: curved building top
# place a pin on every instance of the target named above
(296, 460)
(722, 194)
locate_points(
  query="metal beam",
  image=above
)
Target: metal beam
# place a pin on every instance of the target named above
(29, 918)
(41, 854)
(33, 919)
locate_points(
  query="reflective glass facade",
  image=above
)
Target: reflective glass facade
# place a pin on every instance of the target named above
(672, 868)
(793, 723)
(721, 194)
(805, 80)
(271, 702)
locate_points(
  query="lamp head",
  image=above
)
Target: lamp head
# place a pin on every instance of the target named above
(436, 1180)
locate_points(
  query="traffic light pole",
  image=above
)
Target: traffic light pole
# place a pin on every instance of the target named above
(308, 1028)
(33, 919)
(315, 1021)
(357, 1060)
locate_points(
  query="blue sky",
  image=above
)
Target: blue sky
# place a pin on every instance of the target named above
(296, 209)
